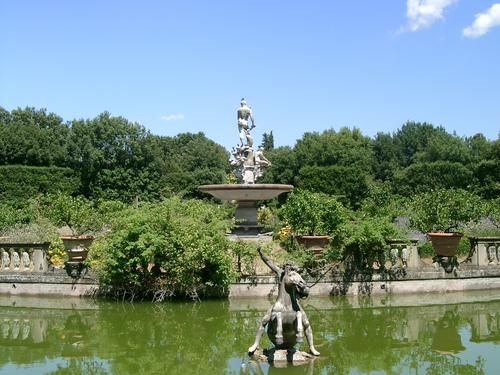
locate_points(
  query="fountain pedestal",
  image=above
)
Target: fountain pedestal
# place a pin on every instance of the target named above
(246, 197)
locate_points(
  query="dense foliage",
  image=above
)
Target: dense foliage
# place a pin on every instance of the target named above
(174, 247)
(102, 158)
(445, 210)
(19, 182)
(112, 158)
(310, 213)
(365, 240)
(417, 158)
(111, 176)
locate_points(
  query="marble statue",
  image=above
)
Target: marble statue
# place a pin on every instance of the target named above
(260, 159)
(245, 114)
(286, 321)
(247, 163)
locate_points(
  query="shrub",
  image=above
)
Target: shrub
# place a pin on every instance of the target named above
(78, 213)
(266, 216)
(40, 231)
(172, 248)
(19, 182)
(365, 239)
(311, 213)
(445, 210)
(493, 211)
(16, 213)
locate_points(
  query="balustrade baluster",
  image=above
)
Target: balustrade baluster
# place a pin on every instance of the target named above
(24, 257)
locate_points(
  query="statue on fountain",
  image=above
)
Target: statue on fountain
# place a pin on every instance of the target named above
(286, 321)
(248, 164)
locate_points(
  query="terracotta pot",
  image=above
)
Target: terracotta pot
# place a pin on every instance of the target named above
(316, 244)
(445, 244)
(77, 247)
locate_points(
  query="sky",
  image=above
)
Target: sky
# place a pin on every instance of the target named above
(183, 65)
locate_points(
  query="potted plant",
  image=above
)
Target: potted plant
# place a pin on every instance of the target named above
(442, 214)
(82, 219)
(312, 218)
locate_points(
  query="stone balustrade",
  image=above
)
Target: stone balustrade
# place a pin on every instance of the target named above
(14, 329)
(403, 253)
(485, 251)
(24, 257)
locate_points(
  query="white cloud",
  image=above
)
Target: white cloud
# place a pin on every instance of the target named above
(174, 117)
(423, 13)
(483, 22)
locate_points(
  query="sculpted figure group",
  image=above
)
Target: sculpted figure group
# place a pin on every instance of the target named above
(248, 164)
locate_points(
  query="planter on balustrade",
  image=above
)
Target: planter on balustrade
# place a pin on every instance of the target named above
(445, 244)
(439, 213)
(77, 247)
(316, 244)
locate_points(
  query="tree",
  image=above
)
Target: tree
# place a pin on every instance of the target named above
(479, 147)
(113, 157)
(337, 163)
(387, 156)
(267, 141)
(422, 177)
(283, 166)
(32, 137)
(413, 138)
(347, 147)
(348, 184)
(189, 160)
(487, 172)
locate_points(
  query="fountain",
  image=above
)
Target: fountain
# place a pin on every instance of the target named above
(248, 165)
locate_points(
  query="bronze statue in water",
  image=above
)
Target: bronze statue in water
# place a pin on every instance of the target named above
(286, 321)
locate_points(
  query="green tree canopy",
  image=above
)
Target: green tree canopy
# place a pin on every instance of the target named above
(32, 137)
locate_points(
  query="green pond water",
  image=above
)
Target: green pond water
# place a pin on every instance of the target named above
(422, 334)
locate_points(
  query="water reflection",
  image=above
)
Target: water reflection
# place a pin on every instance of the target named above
(355, 336)
(446, 339)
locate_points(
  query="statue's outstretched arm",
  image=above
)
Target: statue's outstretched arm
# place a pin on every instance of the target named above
(269, 263)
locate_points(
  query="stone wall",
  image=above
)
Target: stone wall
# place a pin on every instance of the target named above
(56, 283)
(404, 274)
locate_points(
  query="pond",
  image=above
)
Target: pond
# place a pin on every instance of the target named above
(422, 334)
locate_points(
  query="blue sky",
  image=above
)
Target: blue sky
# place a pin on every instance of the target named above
(178, 66)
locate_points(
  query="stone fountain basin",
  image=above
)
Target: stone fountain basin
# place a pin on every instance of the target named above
(241, 192)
